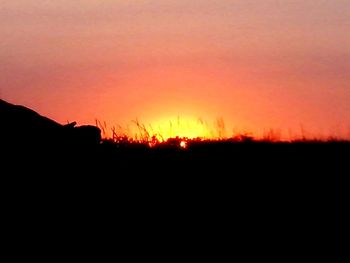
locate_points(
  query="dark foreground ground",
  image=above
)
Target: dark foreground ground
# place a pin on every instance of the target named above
(297, 188)
(245, 196)
(29, 141)
(60, 182)
(215, 158)
(38, 151)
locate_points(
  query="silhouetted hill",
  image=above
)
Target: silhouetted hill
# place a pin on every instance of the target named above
(22, 128)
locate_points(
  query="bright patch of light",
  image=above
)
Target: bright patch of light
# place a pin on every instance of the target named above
(182, 127)
(183, 144)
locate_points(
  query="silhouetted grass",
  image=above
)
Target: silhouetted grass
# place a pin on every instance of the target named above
(31, 140)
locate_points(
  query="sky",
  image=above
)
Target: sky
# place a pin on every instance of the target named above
(256, 64)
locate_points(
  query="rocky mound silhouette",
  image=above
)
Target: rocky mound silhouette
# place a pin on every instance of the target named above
(22, 127)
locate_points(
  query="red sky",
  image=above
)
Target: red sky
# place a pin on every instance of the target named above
(280, 64)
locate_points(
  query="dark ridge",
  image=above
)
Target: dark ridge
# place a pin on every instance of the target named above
(47, 166)
(24, 130)
(28, 137)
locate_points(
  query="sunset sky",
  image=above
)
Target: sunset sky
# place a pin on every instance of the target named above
(257, 64)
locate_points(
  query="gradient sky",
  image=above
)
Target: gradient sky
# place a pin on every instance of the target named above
(258, 64)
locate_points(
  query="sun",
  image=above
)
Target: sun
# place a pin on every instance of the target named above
(181, 127)
(183, 144)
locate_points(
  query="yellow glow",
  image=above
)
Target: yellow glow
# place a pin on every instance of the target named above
(182, 127)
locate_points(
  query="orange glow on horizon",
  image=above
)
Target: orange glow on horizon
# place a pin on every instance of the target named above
(259, 65)
(185, 127)
(173, 127)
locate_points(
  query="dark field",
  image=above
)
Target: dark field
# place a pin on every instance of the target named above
(219, 158)
(30, 141)
(248, 179)
(64, 172)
